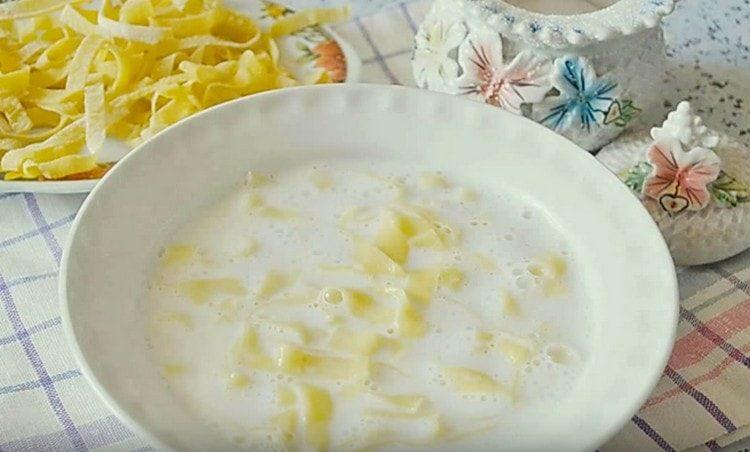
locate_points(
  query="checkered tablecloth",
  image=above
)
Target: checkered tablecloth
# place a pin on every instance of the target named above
(703, 399)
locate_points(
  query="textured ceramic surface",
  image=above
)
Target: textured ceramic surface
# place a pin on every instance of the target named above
(622, 259)
(585, 76)
(303, 54)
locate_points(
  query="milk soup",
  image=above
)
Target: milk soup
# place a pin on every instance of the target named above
(350, 305)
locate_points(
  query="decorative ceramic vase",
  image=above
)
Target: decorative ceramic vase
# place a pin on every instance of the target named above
(584, 72)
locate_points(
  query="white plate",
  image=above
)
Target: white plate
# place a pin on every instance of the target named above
(623, 260)
(297, 52)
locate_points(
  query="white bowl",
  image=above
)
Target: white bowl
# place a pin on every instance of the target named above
(625, 265)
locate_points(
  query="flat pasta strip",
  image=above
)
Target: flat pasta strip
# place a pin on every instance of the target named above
(67, 165)
(15, 114)
(138, 33)
(12, 160)
(20, 9)
(71, 17)
(79, 66)
(297, 21)
(96, 120)
(15, 81)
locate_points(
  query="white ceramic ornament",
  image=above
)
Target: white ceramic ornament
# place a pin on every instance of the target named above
(693, 181)
(584, 68)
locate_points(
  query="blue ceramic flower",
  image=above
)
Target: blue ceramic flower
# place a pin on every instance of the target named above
(584, 99)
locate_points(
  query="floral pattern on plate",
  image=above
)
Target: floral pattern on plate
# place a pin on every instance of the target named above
(311, 54)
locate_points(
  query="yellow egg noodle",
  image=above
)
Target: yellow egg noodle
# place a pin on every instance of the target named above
(72, 76)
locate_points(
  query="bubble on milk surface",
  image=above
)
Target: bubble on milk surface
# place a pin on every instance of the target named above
(508, 266)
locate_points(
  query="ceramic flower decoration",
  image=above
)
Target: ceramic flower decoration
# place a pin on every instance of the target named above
(487, 78)
(433, 67)
(693, 181)
(682, 171)
(610, 64)
(679, 179)
(584, 99)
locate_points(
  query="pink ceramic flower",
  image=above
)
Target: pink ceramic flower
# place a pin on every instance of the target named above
(679, 179)
(486, 78)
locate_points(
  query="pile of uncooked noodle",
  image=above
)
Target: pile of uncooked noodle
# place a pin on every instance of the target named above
(71, 75)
